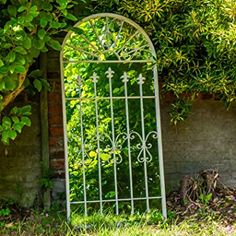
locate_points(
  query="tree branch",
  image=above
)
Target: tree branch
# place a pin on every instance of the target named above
(8, 98)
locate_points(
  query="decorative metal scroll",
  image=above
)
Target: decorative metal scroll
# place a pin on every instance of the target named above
(113, 144)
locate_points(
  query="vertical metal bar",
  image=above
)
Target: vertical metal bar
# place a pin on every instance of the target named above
(109, 76)
(159, 140)
(82, 149)
(95, 77)
(68, 209)
(141, 81)
(125, 80)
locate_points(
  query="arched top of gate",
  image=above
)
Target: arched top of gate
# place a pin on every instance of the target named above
(107, 38)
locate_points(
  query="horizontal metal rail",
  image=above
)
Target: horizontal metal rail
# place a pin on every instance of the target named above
(107, 62)
(108, 98)
(114, 200)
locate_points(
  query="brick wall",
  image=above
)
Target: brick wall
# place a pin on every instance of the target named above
(55, 122)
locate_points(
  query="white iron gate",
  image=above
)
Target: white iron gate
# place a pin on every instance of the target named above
(113, 145)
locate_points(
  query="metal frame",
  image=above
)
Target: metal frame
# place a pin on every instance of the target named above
(143, 137)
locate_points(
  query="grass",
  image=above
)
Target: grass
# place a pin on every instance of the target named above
(53, 223)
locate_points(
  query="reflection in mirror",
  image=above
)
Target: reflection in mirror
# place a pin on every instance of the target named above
(111, 114)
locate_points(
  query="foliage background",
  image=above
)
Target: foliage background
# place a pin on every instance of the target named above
(195, 45)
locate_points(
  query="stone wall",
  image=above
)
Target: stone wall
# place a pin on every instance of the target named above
(207, 139)
(20, 164)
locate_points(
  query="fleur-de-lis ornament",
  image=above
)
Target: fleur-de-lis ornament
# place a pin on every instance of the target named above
(95, 77)
(141, 79)
(109, 73)
(125, 77)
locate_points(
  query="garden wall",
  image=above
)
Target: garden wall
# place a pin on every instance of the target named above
(20, 164)
(207, 139)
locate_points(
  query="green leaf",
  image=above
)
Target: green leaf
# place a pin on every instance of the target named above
(41, 33)
(26, 110)
(11, 56)
(37, 84)
(62, 3)
(19, 69)
(5, 137)
(43, 22)
(27, 42)
(14, 111)
(22, 8)
(20, 50)
(26, 120)
(2, 85)
(4, 70)
(18, 127)
(11, 10)
(33, 11)
(105, 156)
(57, 25)
(10, 84)
(15, 119)
(54, 44)
(6, 122)
(92, 154)
(1, 63)
(35, 73)
(12, 134)
(70, 17)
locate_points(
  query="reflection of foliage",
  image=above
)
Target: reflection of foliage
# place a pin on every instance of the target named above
(88, 91)
(106, 153)
(106, 39)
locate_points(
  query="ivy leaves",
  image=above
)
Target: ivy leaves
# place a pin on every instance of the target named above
(27, 28)
(13, 124)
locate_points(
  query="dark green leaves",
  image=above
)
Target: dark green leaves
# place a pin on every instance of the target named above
(13, 124)
(19, 69)
(27, 42)
(43, 22)
(54, 44)
(38, 85)
(70, 17)
(41, 33)
(12, 10)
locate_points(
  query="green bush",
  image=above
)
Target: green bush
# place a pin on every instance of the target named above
(27, 28)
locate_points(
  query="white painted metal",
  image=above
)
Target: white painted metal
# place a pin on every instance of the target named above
(95, 80)
(83, 151)
(109, 74)
(144, 146)
(125, 79)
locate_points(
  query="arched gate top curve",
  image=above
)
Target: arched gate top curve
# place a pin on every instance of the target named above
(107, 37)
